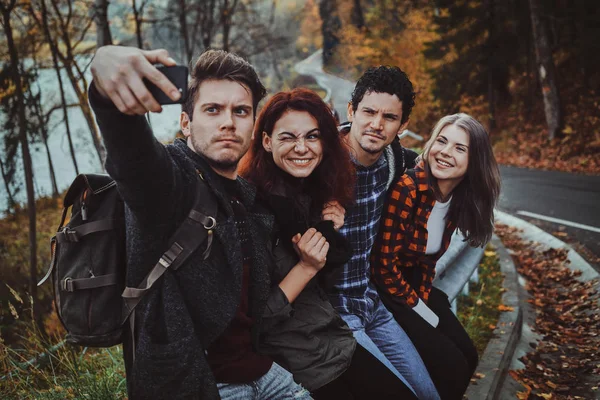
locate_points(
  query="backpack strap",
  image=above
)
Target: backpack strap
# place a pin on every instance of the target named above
(195, 229)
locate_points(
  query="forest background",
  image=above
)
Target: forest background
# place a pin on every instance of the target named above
(527, 69)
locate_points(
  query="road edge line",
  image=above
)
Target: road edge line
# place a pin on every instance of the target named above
(532, 233)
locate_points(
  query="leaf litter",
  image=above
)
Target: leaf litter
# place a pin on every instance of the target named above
(565, 364)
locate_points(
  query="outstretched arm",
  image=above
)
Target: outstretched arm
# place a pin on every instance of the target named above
(119, 98)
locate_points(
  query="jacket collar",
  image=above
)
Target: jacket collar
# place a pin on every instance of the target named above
(247, 190)
(421, 181)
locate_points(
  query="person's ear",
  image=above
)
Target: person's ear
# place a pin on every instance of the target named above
(350, 112)
(266, 142)
(184, 124)
(403, 127)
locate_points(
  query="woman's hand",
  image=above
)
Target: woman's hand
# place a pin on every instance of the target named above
(333, 211)
(312, 248)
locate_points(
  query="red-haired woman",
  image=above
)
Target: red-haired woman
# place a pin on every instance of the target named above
(304, 174)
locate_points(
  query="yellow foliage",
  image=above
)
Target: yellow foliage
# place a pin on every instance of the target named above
(310, 37)
(360, 49)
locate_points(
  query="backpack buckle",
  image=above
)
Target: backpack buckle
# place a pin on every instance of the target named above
(211, 223)
(70, 235)
(67, 284)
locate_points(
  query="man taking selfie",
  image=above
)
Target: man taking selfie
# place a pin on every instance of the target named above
(195, 330)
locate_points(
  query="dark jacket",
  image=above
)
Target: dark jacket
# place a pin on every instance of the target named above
(307, 337)
(192, 306)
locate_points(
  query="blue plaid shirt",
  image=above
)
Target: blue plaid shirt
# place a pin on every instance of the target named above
(351, 290)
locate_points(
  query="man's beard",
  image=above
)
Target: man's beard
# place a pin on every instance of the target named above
(371, 150)
(220, 165)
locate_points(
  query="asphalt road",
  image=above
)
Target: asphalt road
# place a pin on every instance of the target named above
(568, 197)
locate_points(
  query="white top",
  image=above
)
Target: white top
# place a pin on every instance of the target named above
(436, 225)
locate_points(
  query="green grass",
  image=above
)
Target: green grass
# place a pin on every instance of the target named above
(67, 372)
(478, 311)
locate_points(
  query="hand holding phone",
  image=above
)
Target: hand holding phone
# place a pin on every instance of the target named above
(119, 71)
(178, 75)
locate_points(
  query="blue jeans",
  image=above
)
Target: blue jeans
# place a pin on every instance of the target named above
(381, 335)
(276, 384)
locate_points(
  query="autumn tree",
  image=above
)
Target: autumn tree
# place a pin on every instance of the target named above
(479, 43)
(39, 12)
(8, 9)
(71, 26)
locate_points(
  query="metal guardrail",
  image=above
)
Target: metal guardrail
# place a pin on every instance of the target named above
(456, 267)
(411, 134)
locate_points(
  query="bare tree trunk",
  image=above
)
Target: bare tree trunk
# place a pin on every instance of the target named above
(54, 51)
(357, 17)
(530, 74)
(330, 27)
(39, 114)
(11, 200)
(65, 115)
(547, 75)
(22, 124)
(103, 37)
(50, 164)
(69, 62)
(208, 24)
(138, 24)
(226, 21)
(187, 46)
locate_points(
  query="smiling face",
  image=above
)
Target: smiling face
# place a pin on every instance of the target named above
(295, 143)
(375, 124)
(221, 128)
(448, 157)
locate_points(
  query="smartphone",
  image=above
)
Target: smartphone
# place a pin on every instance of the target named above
(178, 75)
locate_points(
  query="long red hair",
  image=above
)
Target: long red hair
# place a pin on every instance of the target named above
(333, 179)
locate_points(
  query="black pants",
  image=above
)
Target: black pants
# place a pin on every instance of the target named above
(447, 350)
(366, 378)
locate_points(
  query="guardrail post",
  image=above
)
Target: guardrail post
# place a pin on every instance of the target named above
(475, 276)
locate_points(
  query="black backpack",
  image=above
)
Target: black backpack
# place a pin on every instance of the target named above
(88, 262)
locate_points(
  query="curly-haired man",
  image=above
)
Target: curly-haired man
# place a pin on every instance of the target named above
(378, 111)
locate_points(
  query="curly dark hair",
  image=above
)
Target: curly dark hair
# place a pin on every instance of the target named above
(333, 179)
(386, 79)
(221, 65)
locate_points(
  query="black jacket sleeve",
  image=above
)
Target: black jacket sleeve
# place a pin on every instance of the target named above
(144, 171)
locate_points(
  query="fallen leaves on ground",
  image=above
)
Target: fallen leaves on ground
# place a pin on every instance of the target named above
(521, 139)
(564, 364)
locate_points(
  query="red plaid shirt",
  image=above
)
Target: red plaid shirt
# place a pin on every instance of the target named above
(399, 264)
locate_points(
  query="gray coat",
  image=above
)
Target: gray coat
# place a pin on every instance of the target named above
(192, 306)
